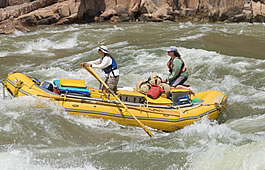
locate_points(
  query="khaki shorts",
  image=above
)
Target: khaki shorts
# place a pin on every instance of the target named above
(112, 82)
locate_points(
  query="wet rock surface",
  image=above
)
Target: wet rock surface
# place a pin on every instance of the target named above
(57, 12)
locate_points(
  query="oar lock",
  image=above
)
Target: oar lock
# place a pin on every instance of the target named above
(18, 86)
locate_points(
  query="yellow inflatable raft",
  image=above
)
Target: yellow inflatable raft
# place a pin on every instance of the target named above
(163, 113)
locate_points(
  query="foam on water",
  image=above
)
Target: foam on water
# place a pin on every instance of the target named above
(109, 126)
(57, 73)
(225, 156)
(18, 34)
(225, 146)
(249, 125)
(190, 37)
(210, 132)
(3, 53)
(118, 45)
(48, 30)
(241, 29)
(186, 25)
(139, 68)
(44, 44)
(70, 28)
(23, 160)
(109, 29)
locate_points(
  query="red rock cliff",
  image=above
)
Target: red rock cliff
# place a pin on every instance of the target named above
(14, 14)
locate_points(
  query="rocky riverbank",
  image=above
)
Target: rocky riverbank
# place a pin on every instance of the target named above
(16, 14)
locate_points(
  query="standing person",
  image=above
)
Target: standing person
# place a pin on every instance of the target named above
(177, 69)
(108, 64)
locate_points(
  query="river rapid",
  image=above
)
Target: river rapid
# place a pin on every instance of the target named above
(224, 57)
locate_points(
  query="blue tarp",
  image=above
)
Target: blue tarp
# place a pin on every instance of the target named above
(64, 89)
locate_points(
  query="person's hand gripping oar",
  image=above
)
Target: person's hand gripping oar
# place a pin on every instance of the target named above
(91, 71)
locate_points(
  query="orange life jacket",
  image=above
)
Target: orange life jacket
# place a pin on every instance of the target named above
(170, 65)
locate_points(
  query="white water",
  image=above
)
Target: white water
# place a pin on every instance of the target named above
(36, 134)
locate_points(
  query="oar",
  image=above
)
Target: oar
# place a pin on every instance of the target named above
(91, 71)
(4, 86)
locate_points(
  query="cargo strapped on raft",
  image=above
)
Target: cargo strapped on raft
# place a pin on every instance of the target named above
(71, 86)
(155, 91)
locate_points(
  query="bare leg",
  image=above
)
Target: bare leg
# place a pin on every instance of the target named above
(184, 87)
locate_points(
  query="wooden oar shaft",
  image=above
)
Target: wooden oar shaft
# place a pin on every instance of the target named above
(91, 71)
(137, 120)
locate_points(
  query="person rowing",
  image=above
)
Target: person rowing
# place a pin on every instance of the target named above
(108, 64)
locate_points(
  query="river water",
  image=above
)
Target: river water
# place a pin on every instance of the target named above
(225, 57)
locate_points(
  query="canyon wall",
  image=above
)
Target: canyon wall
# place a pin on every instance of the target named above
(15, 14)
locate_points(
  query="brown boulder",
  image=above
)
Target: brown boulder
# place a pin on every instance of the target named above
(163, 13)
(18, 10)
(67, 20)
(29, 20)
(89, 9)
(125, 17)
(258, 9)
(135, 6)
(190, 4)
(7, 27)
(63, 21)
(109, 13)
(64, 11)
(151, 10)
(59, 13)
(240, 18)
(230, 13)
(73, 7)
(213, 10)
(18, 2)
(43, 13)
(98, 19)
(3, 3)
(10, 26)
(115, 19)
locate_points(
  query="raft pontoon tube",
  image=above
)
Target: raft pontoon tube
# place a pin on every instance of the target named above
(162, 113)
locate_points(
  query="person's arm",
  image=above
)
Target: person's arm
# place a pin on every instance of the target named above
(94, 61)
(107, 61)
(176, 69)
(88, 64)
